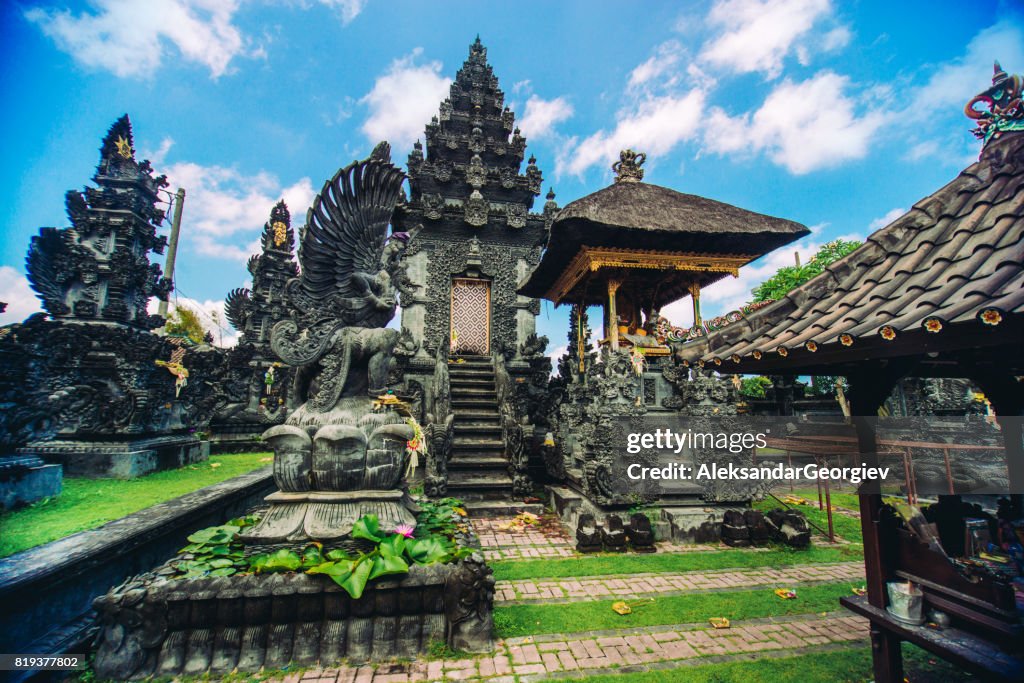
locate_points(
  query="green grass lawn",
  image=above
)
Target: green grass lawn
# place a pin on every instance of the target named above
(846, 527)
(88, 503)
(606, 564)
(836, 666)
(523, 620)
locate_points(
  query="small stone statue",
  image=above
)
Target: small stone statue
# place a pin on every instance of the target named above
(640, 533)
(588, 535)
(614, 535)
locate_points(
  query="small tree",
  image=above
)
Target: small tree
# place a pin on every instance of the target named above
(185, 322)
(753, 387)
(788, 278)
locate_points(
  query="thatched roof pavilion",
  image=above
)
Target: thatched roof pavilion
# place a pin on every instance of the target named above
(647, 246)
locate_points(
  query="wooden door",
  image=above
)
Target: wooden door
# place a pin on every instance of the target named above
(470, 330)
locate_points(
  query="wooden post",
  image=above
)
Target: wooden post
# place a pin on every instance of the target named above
(828, 506)
(867, 396)
(695, 295)
(172, 246)
(613, 317)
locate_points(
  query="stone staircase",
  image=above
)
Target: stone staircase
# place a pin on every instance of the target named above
(478, 470)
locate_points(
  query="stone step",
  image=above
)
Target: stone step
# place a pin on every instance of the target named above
(482, 417)
(461, 428)
(459, 393)
(503, 506)
(483, 445)
(475, 403)
(461, 383)
(473, 481)
(478, 462)
(470, 371)
(471, 362)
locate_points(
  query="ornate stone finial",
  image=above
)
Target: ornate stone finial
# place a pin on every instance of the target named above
(627, 168)
(280, 213)
(1005, 111)
(477, 51)
(119, 143)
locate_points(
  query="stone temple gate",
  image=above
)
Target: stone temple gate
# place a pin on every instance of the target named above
(478, 237)
(473, 239)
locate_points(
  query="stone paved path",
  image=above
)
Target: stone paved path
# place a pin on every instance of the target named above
(545, 656)
(550, 540)
(644, 585)
(538, 657)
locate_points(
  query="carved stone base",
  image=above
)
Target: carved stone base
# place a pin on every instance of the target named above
(325, 515)
(152, 626)
(25, 479)
(120, 459)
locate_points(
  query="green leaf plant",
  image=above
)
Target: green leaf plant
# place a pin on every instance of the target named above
(216, 551)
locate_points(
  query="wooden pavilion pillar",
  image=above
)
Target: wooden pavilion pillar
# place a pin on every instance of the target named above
(867, 394)
(612, 316)
(695, 295)
(1007, 397)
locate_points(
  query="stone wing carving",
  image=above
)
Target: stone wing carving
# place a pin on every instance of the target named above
(345, 264)
(236, 307)
(49, 264)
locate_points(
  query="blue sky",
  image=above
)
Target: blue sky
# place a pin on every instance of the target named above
(837, 115)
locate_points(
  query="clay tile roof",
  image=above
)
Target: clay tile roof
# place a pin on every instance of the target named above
(955, 254)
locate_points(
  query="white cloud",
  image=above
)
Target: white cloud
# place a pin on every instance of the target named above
(130, 38)
(836, 39)
(756, 35)
(541, 116)
(885, 220)
(157, 157)
(15, 290)
(801, 126)
(222, 203)
(403, 99)
(347, 9)
(957, 81)
(655, 126)
(664, 59)
(731, 293)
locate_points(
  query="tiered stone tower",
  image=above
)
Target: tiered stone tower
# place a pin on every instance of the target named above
(256, 383)
(99, 269)
(96, 398)
(253, 313)
(478, 239)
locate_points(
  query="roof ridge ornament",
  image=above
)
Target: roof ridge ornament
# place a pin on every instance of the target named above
(1005, 111)
(627, 168)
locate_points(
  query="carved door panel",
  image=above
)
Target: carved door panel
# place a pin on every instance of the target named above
(470, 330)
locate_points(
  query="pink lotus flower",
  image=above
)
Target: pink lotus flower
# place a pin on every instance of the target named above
(405, 529)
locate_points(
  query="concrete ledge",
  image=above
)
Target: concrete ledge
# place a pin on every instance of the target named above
(47, 591)
(26, 480)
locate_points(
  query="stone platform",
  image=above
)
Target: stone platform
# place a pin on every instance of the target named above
(26, 479)
(155, 626)
(121, 459)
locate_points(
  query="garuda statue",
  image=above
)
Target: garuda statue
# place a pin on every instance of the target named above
(341, 453)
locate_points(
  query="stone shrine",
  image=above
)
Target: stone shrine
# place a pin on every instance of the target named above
(475, 238)
(633, 248)
(101, 391)
(257, 381)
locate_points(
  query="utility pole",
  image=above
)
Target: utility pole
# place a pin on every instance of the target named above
(172, 247)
